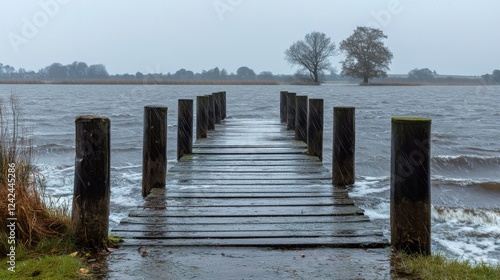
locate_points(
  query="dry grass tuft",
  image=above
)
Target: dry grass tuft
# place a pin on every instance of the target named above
(37, 219)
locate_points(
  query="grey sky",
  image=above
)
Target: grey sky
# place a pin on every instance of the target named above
(451, 37)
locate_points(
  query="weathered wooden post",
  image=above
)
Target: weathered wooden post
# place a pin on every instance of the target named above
(223, 106)
(185, 128)
(290, 110)
(91, 193)
(201, 116)
(301, 118)
(217, 106)
(211, 112)
(411, 185)
(283, 115)
(154, 152)
(315, 128)
(344, 139)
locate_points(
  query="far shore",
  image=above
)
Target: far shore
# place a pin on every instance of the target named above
(474, 82)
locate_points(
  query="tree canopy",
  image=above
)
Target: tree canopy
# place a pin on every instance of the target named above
(312, 54)
(421, 75)
(366, 55)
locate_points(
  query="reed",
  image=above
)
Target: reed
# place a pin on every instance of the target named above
(38, 217)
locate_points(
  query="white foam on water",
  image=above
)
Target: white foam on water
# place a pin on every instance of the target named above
(379, 212)
(470, 234)
(369, 185)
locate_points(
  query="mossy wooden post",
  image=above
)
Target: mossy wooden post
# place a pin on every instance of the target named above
(217, 106)
(185, 128)
(154, 151)
(301, 118)
(315, 128)
(201, 116)
(411, 185)
(290, 110)
(211, 112)
(344, 139)
(283, 116)
(223, 106)
(91, 193)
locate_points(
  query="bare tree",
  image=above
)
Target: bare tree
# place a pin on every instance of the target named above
(367, 57)
(312, 54)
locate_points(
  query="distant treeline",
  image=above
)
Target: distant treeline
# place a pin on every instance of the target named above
(426, 76)
(97, 73)
(79, 71)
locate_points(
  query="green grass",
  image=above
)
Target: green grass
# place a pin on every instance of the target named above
(439, 267)
(46, 267)
(50, 258)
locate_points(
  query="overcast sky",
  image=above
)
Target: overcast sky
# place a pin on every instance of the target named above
(449, 36)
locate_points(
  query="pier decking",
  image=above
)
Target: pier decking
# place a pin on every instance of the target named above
(249, 184)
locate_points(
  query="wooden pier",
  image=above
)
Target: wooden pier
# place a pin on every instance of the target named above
(249, 183)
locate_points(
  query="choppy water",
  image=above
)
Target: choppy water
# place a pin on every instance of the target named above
(465, 145)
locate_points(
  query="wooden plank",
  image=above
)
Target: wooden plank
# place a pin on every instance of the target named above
(283, 211)
(247, 195)
(247, 182)
(249, 176)
(267, 163)
(247, 234)
(244, 220)
(253, 157)
(331, 242)
(250, 202)
(248, 150)
(256, 189)
(246, 227)
(296, 169)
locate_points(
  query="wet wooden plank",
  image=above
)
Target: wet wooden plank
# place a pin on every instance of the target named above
(248, 150)
(248, 234)
(245, 220)
(282, 211)
(301, 242)
(319, 175)
(251, 202)
(246, 182)
(287, 227)
(231, 188)
(251, 157)
(296, 169)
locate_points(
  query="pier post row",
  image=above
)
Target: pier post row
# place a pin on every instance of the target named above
(315, 128)
(201, 117)
(411, 185)
(283, 106)
(343, 160)
(185, 128)
(290, 110)
(91, 193)
(301, 118)
(211, 112)
(154, 165)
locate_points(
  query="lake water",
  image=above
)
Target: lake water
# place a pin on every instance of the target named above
(465, 145)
